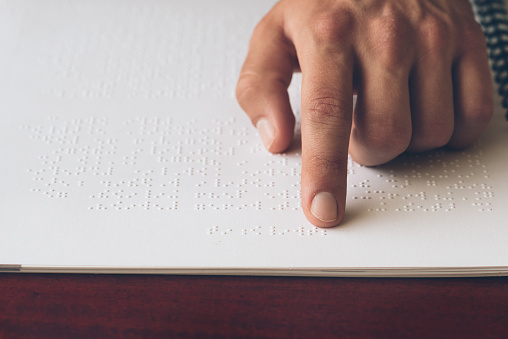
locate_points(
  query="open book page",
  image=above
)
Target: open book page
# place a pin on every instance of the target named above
(123, 149)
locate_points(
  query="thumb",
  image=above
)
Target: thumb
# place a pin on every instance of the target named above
(262, 87)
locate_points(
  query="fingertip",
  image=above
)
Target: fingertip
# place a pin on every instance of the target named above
(276, 133)
(325, 210)
(324, 207)
(266, 102)
(266, 132)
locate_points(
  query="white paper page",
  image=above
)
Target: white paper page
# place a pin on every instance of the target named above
(123, 149)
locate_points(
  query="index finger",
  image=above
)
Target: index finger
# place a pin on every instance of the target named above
(327, 106)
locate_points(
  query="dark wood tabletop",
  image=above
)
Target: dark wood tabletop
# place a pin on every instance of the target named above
(155, 306)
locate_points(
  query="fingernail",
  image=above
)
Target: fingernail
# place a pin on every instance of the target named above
(324, 207)
(266, 132)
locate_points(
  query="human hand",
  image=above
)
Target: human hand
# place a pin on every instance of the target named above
(419, 67)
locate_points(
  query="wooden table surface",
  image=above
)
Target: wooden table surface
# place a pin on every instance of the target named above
(151, 306)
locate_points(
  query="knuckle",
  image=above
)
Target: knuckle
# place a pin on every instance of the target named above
(472, 36)
(436, 33)
(263, 28)
(329, 110)
(389, 28)
(269, 30)
(247, 85)
(481, 113)
(432, 135)
(386, 140)
(389, 39)
(328, 166)
(331, 27)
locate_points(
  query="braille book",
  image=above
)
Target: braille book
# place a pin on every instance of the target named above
(123, 150)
